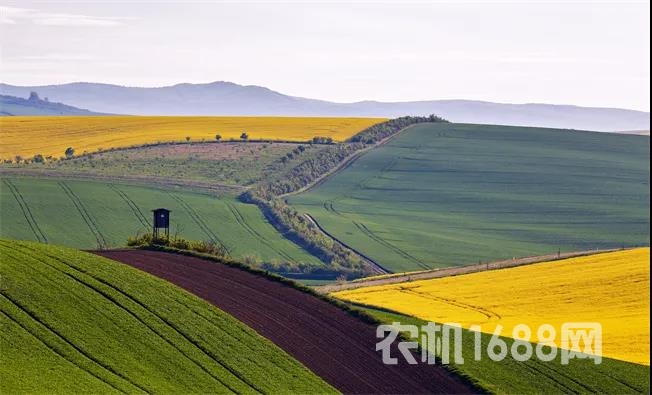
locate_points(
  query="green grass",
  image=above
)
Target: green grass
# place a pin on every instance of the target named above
(73, 322)
(86, 214)
(448, 194)
(533, 376)
(226, 163)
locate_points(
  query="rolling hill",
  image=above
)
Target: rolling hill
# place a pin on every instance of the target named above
(449, 194)
(88, 214)
(73, 322)
(335, 344)
(227, 98)
(11, 105)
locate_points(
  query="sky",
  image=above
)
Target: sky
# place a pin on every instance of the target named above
(560, 52)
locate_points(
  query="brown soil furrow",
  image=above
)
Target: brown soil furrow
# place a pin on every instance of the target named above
(335, 345)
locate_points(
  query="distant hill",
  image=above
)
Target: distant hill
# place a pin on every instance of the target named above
(12, 105)
(226, 98)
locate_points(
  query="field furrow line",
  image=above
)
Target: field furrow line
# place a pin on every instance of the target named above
(197, 219)
(59, 336)
(363, 228)
(9, 317)
(239, 218)
(557, 373)
(563, 386)
(132, 205)
(90, 222)
(136, 316)
(487, 313)
(328, 206)
(27, 213)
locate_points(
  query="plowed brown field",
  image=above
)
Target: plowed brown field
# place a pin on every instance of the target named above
(335, 345)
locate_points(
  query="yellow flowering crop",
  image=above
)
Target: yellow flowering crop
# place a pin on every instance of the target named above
(612, 289)
(51, 135)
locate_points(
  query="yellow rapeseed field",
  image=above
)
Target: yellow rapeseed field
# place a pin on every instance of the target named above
(611, 288)
(51, 135)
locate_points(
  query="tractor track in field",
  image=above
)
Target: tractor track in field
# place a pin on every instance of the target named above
(137, 316)
(491, 316)
(332, 343)
(197, 219)
(328, 206)
(132, 205)
(363, 228)
(62, 338)
(375, 266)
(239, 218)
(86, 216)
(27, 213)
(50, 347)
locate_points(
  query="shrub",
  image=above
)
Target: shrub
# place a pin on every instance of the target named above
(204, 247)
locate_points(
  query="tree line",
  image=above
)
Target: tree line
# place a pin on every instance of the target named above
(298, 228)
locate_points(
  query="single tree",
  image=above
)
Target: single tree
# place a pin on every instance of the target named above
(218, 137)
(70, 152)
(187, 138)
(38, 158)
(244, 136)
(18, 158)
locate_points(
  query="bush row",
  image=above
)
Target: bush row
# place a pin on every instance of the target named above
(204, 247)
(298, 228)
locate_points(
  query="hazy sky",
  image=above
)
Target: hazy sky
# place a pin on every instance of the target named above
(584, 53)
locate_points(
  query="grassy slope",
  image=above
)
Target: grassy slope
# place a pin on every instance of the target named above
(533, 376)
(110, 214)
(446, 194)
(76, 322)
(231, 163)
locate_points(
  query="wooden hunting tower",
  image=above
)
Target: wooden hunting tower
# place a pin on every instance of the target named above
(161, 221)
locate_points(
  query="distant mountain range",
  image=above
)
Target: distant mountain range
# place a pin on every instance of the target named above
(12, 105)
(226, 98)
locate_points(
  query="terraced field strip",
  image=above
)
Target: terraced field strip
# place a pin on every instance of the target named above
(612, 289)
(27, 213)
(335, 345)
(86, 216)
(74, 322)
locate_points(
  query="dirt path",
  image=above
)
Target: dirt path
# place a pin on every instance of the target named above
(335, 345)
(452, 271)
